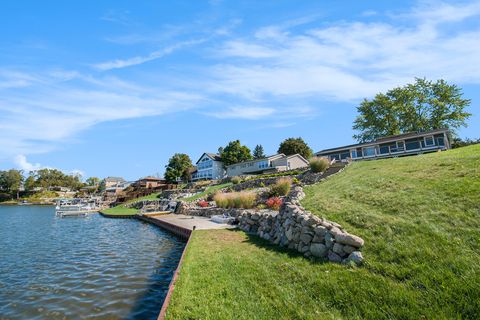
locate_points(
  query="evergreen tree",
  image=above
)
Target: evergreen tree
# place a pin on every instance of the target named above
(258, 152)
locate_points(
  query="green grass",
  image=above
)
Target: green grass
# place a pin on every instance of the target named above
(420, 218)
(209, 190)
(123, 211)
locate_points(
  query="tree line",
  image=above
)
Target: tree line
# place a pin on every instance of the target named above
(13, 181)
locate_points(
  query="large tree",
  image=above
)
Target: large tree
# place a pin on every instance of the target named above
(234, 152)
(295, 145)
(178, 167)
(93, 181)
(11, 181)
(421, 106)
(258, 152)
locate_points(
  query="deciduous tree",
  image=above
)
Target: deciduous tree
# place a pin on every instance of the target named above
(421, 106)
(295, 145)
(234, 152)
(178, 167)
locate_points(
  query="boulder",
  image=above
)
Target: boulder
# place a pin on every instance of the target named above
(348, 249)
(349, 239)
(333, 257)
(337, 248)
(355, 256)
(306, 238)
(318, 250)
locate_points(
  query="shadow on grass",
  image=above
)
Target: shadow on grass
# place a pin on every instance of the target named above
(269, 246)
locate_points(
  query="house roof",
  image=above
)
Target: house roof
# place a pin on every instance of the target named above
(299, 156)
(150, 178)
(213, 156)
(113, 179)
(272, 157)
(385, 140)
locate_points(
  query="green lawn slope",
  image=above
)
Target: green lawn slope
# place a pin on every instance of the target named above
(420, 218)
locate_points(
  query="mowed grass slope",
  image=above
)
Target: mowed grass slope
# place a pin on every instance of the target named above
(420, 218)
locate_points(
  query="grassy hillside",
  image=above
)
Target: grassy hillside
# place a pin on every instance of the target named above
(420, 218)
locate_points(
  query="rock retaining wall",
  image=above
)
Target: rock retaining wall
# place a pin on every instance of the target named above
(300, 230)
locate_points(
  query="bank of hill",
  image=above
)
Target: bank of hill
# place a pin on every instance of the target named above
(420, 219)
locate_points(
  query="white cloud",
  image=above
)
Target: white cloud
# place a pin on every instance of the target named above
(21, 162)
(250, 113)
(123, 63)
(350, 60)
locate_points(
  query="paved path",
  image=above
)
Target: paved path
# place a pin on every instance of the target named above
(188, 222)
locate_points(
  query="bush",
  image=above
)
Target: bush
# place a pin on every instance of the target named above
(318, 164)
(274, 203)
(245, 200)
(235, 180)
(203, 203)
(295, 181)
(281, 187)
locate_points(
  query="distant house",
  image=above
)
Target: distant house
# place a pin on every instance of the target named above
(113, 182)
(391, 146)
(275, 163)
(150, 182)
(209, 167)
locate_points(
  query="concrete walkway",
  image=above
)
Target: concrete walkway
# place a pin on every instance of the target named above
(188, 222)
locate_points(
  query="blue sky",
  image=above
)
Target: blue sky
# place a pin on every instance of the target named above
(116, 87)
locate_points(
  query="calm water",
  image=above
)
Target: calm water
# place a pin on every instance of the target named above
(82, 268)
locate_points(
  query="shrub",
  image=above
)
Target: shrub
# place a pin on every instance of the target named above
(262, 184)
(281, 187)
(295, 180)
(235, 180)
(245, 200)
(274, 203)
(261, 206)
(318, 164)
(203, 203)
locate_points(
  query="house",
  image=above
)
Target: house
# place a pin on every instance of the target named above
(150, 182)
(391, 146)
(209, 167)
(112, 181)
(275, 163)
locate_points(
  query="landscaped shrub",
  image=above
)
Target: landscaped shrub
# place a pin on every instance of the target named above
(318, 164)
(245, 200)
(274, 203)
(281, 187)
(235, 180)
(203, 203)
(295, 180)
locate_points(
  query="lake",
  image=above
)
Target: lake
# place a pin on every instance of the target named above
(82, 268)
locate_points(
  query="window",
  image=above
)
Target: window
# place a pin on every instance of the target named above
(354, 153)
(369, 151)
(429, 141)
(400, 146)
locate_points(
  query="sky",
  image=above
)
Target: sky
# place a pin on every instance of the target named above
(115, 88)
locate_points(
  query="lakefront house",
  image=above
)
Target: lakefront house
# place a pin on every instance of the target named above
(275, 163)
(209, 167)
(391, 146)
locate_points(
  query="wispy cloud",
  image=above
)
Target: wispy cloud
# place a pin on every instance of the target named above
(43, 115)
(250, 113)
(123, 63)
(351, 60)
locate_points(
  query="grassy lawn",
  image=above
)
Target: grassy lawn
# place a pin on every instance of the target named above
(121, 210)
(420, 218)
(208, 190)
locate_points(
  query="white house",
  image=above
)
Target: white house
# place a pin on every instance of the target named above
(209, 167)
(275, 163)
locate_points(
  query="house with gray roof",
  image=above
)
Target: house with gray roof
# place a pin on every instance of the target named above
(209, 167)
(392, 146)
(276, 163)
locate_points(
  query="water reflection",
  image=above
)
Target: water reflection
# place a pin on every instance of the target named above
(82, 268)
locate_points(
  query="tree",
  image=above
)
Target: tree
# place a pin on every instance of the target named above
(234, 152)
(421, 106)
(295, 145)
(29, 183)
(178, 167)
(258, 152)
(93, 181)
(11, 181)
